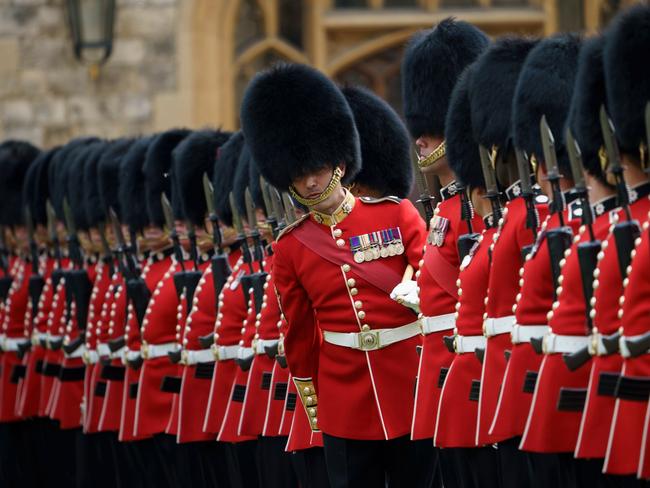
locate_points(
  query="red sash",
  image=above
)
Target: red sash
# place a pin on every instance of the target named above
(374, 272)
(441, 270)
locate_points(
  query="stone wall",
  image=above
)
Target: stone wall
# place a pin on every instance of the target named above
(47, 96)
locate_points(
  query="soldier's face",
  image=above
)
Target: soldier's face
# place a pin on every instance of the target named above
(312, 185)
(426, 144)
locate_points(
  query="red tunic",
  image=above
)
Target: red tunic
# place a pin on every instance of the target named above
(503, 287)
(549, 429)
(457, 412)
(361, 395)
(599, 408)
(232, 313)
(629, 423)
(436, 300)
(533, 303)
(275, 404)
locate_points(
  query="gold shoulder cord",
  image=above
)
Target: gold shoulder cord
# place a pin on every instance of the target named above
(437, 153)
(310, 202)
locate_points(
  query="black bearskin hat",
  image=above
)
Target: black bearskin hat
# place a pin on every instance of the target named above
(385, 146)
(76, 184)
(15, 159)
(627, 73)
(193, 157)
(242, 180)
(462, 150)
(223, 176)
(32, 187)
(545, 87)
(131, 194)
(157, 173)
(108, 172)
(584, 114)
(433, 61)
(95, 211)
(254, 186)
(296, 121)
(495, 78)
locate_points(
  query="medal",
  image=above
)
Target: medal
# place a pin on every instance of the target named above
(358, 257)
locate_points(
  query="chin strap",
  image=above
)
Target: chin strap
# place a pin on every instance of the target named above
(438, 153)
(310, 202)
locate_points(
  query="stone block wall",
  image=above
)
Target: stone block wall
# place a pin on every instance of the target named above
(47, 96)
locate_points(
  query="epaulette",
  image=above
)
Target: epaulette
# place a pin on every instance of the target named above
(389, 198)
(290, 227)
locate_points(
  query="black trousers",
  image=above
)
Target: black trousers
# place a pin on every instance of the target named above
(274, 463)
(393, 463)
(476, 467)
(310, 468)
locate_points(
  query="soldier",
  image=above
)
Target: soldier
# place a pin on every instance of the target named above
(558, 400)
(473, 465)
(427, 82)
(15, 159)
(627, 102)
(336, 285)
(495, 78)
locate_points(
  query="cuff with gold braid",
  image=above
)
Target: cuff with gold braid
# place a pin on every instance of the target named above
(307, 393)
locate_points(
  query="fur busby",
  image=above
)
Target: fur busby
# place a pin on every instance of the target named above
(627, 74)
(385, 145)
(193, 157)
(131, 194)
(223, 175)
(589, 94)
(296, 121)
(545, 87)
(31, 195)
(108, 175)
(254, 186)
(462, 150)
(57, 172)
(42, 186)
(242, 180)
(76, 183)
(157, 173)
(15, 159)
(95, 211)
(433, 61)
(495, 78)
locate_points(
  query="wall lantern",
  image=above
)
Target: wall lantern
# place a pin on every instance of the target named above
(91, 27)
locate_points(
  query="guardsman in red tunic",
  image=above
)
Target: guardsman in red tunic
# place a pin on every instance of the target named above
(193, 158)
(627, 98)
(558, 400)
(495, 79)
(159, 381)
(539, 88)
(457, 410)
(335, 270)
(15, 159)
(428, 80)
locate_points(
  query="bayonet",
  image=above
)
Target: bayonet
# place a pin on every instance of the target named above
(169, 220)
(191, 235)
(614, 161)
(553, 175)
(54, 236)
(425, 194)
(208, 192)
(289, 208)
(129, 271)
(241, 236)
(271, 217)
(488, 165)
(255, 233)
(278, 208)
(580, 186)
(523, 169)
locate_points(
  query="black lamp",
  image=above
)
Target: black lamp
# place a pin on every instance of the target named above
(91, 26)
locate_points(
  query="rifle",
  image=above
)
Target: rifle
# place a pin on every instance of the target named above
(527, 193)
(587, 251)
(488, 165)
(179, 276)
(126, 263)
(220, 265)
(246, 253)
(36, 281)
(289, 208)
(108, 253)
(468, 240)
(257, 279)
(271, 217)
(425, 195)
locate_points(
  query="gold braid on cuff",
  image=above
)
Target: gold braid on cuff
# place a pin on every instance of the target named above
(307, 393)
(437, 153)
(310, 202)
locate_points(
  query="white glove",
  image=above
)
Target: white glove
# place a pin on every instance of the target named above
(406, 293)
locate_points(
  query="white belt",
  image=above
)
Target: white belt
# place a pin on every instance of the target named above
(10, 344)
(153, 351)
(437, 323)
(223, 353)
(497, 326)
(199, 356)
(524, 333)
(467, 344)
(245, 352)
(622, 345)
(118, 354)
(77, 353)
(565, 344)
(130, 355)
(103, 349)
(596, 345)
(371, 340)
(260, 344)
(37, 337)
(90, 356)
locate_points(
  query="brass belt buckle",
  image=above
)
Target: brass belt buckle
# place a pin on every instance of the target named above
(369, 340)
(592, 345)
(144, 350)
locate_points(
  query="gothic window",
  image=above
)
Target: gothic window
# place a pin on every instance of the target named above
(250, 25)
